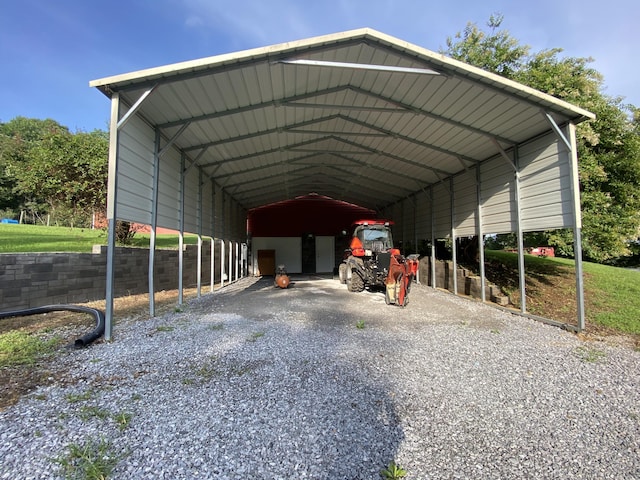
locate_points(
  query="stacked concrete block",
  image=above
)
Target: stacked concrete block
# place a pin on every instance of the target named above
(467, 282)
(36, 279)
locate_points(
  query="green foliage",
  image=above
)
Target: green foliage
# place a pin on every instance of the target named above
(255, 336)
(69, 172)
(93, 460)
(496, 52)
(393, 471)
(165, 328)
(360, 324)
(122, 420)
(17, 139)
(589, 354)
(46, 169)
(21, 348)
(80, 397)
(125, 231)
(87, 412)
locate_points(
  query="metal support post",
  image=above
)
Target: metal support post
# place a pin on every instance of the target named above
(112, 192)
(520, 236)
(181, 233)
(453, 239)
(199, 266)
(154, 222)
(230, 262)
(577, 227)
(433, 240)
(480, 234)
(222, 263)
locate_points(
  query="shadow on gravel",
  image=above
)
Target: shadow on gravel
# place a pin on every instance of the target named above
(325, 415)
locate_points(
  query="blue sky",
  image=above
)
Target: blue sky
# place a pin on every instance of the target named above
(51, 49)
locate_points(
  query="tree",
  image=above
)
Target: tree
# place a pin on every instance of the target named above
(608, 147)
(17, 139)
(69, 172)
(496, 52)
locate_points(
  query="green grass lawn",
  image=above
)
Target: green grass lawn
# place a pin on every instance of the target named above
(37, 238)
(613, 293)
(615, 296)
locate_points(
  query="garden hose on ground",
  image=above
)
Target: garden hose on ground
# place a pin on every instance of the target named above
(81, 342)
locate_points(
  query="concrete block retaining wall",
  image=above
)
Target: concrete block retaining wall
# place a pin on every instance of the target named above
(35, 279)
(468, 283)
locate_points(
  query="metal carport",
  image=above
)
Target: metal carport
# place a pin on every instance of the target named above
(444, 148)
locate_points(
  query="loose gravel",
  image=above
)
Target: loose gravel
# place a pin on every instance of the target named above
(313, 382)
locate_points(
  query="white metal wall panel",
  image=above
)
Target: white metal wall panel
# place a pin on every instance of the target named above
(191, 181)
(465, 203)
(169, 190)
(135, 172)
(423, 216)
(218, 226)
(442, 210)
(408, 221)
(545, 185)
(398, 222)
(497, 180)
(207, 193)
(288, 251)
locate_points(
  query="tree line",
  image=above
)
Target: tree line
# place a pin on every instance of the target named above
(46, 171)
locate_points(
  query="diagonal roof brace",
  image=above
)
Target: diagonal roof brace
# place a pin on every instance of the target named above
(504, 155)
(136, 106)
(173, 139)
(557, 129)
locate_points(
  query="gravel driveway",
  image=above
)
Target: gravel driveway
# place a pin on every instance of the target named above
(313, 382)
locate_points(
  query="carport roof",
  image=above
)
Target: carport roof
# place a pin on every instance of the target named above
(359, 116)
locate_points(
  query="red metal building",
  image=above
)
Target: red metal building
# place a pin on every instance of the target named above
(306, 234)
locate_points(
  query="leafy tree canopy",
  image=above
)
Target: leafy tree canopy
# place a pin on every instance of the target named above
(43, 166)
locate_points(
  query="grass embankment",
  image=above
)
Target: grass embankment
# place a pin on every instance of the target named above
(612, 295)
(37, 238)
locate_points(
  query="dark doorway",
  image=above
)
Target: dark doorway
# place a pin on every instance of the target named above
(308, 253)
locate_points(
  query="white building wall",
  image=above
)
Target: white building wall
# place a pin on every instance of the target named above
(288, 251)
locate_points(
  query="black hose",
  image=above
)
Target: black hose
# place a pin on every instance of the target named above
(81, 342)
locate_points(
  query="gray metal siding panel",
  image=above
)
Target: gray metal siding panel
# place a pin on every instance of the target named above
(442, 211)
(465, 201)
(498, 196)
(207, 194)
(191, 201)
(545, 185)
(423, 216)
(169, 190)
(135, 172)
